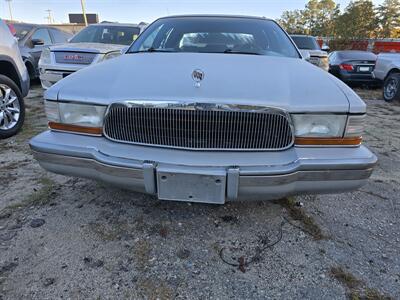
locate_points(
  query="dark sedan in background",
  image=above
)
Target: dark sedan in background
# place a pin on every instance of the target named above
(353, 67)
(32, 39)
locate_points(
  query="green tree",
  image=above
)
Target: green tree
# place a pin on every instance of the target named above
(359, 20)
(319, 17)
(389, 18)
(293, 22)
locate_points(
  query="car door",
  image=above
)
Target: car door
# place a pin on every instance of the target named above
(40, 34)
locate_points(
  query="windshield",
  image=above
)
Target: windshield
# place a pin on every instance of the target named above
(119, 35)
(228, 35)
(21, 30)
(306, 42)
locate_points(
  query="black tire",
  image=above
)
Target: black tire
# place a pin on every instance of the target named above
(6, 133)
(391, 87)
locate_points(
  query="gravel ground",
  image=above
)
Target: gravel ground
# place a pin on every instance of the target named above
(71, 238)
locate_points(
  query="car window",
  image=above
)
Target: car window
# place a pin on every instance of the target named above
(216, 35)
(306, 42)
(42, 34)
(120, 35)
(60, 36)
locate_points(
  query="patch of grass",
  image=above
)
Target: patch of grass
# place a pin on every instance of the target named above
(39, 198)
(373, 294)
(156, 289)
(345, 277)
(109, 232)
(298, 214)
(141, 253)
(357, 288)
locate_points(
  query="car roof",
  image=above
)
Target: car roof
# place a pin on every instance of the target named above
(355, 54)
(215, 16)
(34, 25)
(115, 24)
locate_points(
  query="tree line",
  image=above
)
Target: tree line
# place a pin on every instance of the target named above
(359, 20)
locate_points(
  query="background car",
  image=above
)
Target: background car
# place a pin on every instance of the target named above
(91, 45)
(387, 70)
(353, 67)
(14, 84)
(308, 44)
(32, 39)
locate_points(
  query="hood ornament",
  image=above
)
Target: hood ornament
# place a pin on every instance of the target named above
(197, 76)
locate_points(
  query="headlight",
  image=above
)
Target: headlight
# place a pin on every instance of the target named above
(308, 125)
(324, 63)
(45, 57)
(327, 129)
(112, 54)
(82, 118)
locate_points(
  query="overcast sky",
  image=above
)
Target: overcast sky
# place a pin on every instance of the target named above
(134, 11)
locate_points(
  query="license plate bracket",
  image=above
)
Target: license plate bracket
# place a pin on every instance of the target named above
(192, 186)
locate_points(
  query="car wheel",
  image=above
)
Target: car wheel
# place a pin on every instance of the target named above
(12, 108)
(391, 87)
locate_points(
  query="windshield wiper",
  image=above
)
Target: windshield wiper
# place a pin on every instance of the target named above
(152, 49)
(230, 51)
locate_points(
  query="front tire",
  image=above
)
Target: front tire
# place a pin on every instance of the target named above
(12, 108)
(391, 87)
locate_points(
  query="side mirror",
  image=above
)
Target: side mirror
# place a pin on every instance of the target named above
(305, 54)
(37, 42)
(325, 48)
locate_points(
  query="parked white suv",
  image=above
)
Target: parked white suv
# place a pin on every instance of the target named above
(14, 84)
(91, 45)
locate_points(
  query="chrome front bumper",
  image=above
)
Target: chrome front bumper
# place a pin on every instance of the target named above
(244, 175)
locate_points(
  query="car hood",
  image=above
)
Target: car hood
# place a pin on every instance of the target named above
(318, 53)
(87, 47)
(289, 83)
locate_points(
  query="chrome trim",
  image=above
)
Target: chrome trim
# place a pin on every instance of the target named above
(261, 186)
(77, 102)
(201, 106)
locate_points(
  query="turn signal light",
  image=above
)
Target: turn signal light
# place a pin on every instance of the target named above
(76, 128)
(347, 141)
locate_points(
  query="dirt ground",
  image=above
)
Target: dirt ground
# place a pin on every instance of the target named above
(68, 238)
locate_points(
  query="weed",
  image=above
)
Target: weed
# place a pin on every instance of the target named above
(357, 288)
(345, 277)
(298, 214)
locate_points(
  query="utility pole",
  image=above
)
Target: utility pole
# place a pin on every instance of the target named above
(49, 17)
(83, 11)
(9, 9)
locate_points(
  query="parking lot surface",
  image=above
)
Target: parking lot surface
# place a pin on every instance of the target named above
(72, 238)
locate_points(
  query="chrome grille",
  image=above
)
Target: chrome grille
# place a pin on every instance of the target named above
(199, 129)
(80, 58)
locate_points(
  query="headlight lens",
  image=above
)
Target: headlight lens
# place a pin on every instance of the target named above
(82, 114)
(110, 55)
(312, 125)
(45, 57)
(79, 116)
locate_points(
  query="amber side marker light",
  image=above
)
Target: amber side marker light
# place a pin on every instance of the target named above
(76, 128)
(347, 141)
